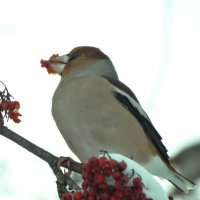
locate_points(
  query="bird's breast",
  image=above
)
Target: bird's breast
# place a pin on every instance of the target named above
(90, 118)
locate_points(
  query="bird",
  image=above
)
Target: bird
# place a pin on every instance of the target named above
(95, 111)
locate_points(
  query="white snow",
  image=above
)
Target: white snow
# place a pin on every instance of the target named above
(152, 188)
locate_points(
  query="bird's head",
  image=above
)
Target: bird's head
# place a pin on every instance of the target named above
(82, 60)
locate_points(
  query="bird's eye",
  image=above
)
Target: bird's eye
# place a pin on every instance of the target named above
(75, 55)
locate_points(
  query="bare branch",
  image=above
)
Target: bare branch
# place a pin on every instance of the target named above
(62, 180)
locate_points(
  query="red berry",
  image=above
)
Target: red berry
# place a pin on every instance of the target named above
(78, 195)
(142, 196)
(14, 105)
(96, 169)
(103, 186)
(116, 175)
(137, 181)
(124, 180)
(85, 185)
(118, 185)
(66, 196)
(4, 105)
(92, 198)
(86, 167)
(107, 171)
(113, 198)
(122, 166)
(118, 194)
(112, 163)
(99, 178)
(103, 161)
(139, 188)
(104, 196)
(92, 192)
(85, 175)
(85, 195)
(134, 195)
(127, 191)
(93, 161)
(137, 184)
(14, 116)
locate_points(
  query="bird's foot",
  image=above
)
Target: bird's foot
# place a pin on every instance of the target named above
(67, 182)
(65, 162)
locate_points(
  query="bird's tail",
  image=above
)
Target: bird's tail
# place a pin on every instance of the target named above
(180, 182)
(166, 171)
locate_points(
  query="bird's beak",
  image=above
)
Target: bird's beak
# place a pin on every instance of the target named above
(60, 59)
(56, 64)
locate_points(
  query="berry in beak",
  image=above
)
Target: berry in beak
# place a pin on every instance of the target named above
(56, 64)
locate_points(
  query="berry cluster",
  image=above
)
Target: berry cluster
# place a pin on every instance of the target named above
(46, 64)
(10, 108)
(104, 179)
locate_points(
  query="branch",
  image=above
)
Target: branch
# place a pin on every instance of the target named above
(94, 173)
(52, 160)
(9, 110)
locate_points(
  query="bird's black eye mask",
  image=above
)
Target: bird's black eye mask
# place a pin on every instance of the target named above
(74, 55)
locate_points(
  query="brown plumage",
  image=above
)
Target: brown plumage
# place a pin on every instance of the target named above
(93, 110)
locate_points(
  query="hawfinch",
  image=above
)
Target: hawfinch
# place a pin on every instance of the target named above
(95, 111)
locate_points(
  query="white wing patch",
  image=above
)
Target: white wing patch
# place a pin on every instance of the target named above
(133, 102)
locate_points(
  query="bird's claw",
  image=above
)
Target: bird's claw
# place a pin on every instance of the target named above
(65, 162)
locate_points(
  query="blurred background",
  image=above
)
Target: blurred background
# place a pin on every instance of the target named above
(155, 47)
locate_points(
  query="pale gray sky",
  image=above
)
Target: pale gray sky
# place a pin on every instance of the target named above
(154, 45)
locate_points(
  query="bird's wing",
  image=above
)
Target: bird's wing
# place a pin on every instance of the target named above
(128, 99)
